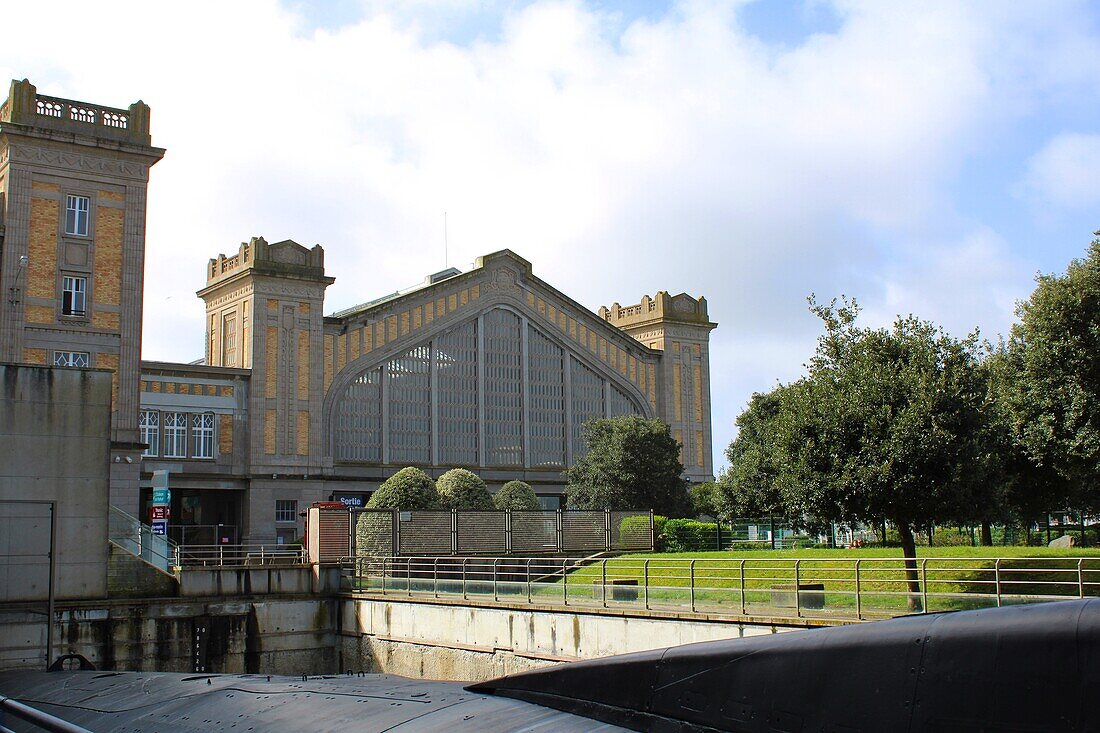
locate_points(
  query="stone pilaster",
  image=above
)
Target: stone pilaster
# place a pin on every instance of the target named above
(13, 276)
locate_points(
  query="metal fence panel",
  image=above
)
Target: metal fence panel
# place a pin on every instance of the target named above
(424, 533)
(535, 531)
(631, 530)
(583, 531)
(441, 533)
(481, 533)
(372, 533)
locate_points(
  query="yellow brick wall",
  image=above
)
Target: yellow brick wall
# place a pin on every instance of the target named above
(225, 434)
(303, 433)
(34, 356)
(45, 186)
(697, 384)
(352, 346)
(269, 432)
(104, 320)
(111, 196)
(271, 367)
(42, 249)
(328, 360)
(676, 396)
(108, 256)
(303, 365)
(40, 314)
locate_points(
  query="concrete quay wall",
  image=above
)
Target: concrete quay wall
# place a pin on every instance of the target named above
(310, 634)
(449, 641)
(272, 636)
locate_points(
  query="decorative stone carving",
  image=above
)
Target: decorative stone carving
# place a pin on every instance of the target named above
(505, 279)
(80, 161)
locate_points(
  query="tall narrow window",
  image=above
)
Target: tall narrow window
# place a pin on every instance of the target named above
(202, 435)
(175, 435)
(229, 340)
(503, 359)
(149, 425)
(409, 377)
(76, 215)
(74, 295)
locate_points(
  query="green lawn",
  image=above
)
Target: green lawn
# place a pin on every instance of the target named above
(949, 577)
(762, 582)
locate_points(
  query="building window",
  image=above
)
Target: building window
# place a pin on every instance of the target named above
(74, 295)
(175, 435)
(70, 358)
(286, 510)
(76, 215)
(149, 425)
(229, 341)
(202, 435)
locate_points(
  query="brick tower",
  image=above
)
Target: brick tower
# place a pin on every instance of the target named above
(73, 180)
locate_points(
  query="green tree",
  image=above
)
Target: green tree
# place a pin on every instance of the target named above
(704, 499)
(749, 487)
(631, 463)
(464, 490)
(1025, 487)
(516, 496)
(887, 424)
(1055, 396)
(409, 488)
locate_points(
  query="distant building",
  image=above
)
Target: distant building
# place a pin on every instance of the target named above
(492, 369)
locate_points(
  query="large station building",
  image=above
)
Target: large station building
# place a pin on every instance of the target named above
(491, 369)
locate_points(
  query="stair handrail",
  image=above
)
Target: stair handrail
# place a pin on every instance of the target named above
(137, 538)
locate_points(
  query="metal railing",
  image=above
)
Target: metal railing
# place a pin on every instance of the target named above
(138, 539)
(244, 555)
(34, 716)
(841, 589)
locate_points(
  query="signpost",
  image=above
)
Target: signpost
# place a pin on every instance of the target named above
(351, 501)
(162, 499)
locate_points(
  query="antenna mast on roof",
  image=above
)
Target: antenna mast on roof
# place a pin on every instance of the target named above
(445, 240)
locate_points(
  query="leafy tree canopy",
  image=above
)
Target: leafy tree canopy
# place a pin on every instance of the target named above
(704, 499)
(516, 496)
(749, 487)
(409, 488)
(464, 490)
(1055, 396)
(632, 463)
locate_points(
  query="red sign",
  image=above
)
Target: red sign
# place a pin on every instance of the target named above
(158, 513)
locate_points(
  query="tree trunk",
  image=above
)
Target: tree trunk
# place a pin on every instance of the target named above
(909, 552)
(987, 533)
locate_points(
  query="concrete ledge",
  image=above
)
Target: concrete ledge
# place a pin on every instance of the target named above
(592, 610)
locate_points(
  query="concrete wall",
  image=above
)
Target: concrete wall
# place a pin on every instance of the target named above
(454, 642)
(326, 636)
(284, 636)
(55, 427)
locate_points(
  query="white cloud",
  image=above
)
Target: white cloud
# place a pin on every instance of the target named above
(673, 153)
(1064, 172)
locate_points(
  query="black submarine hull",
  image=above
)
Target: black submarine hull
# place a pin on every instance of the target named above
(1015, 669)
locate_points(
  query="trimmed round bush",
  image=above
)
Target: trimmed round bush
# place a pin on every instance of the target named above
(464, 490)
(409, 488)
(516, 496)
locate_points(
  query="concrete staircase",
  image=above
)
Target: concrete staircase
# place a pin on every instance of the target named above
(139, 564)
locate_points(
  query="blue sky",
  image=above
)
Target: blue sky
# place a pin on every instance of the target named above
(924, 157)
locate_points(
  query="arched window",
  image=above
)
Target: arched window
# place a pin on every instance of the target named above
(495, 391)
